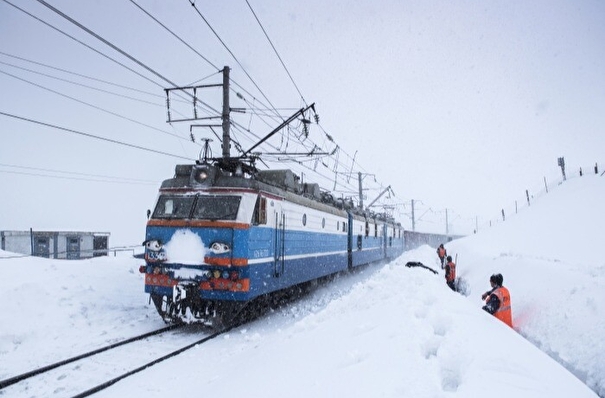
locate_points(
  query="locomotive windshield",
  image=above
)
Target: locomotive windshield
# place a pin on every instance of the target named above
(216, 207)
(170, 206)
(197, 207)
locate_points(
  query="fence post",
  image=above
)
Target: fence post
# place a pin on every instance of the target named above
(546, 185)
(561, 162)
(527, 194)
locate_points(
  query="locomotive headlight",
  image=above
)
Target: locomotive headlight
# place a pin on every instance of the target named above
(219, 248)
(153, 245)
(201, 176)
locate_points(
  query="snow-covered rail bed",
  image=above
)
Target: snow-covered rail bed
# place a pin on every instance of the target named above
(106, 365)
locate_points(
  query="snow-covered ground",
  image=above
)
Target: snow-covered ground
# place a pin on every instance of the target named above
(388, 331)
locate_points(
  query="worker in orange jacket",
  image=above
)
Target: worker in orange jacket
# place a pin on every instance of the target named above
(441, 252)
(450, 273)
(497, 300)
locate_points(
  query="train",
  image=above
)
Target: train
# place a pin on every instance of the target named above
(223, 233)
(221, 236)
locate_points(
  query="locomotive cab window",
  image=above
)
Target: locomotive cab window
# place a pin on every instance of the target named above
(216, 207)
(171, 206)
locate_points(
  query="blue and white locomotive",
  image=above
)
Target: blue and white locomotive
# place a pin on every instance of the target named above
(217, 239)
(224, 233)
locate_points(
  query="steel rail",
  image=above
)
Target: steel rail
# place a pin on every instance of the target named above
(44, 369)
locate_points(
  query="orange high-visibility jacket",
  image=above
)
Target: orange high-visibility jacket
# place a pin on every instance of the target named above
(441, 252)
(504, 312)
(451, 275)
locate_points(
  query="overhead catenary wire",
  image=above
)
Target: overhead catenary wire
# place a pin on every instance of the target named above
(275, 50)
(124, 180)
(93, 106)
(224, 44)
(81, 75)
(77, 178)
(98, 37)
(192, 2)
(82, 85)
(189, 47)
(329, 137)
(309, 145)
(175, 35)
(84, 44)
(198, 53)
(68, 130)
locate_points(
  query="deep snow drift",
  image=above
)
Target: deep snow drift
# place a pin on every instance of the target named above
(388, 330)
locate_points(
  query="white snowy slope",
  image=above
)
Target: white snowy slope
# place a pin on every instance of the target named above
(388, 331)
(551, 258)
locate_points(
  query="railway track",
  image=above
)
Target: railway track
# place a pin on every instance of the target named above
(107, 365)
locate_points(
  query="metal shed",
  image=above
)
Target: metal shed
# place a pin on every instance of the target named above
(70, 245)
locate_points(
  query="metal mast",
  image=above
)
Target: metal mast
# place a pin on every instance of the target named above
(360, 191)
(225, 115)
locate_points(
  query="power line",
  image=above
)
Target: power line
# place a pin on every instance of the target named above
(194, 50)
(157, 74)
(75, 178)
(91, 48)
(124, 179)
(286, 69)
(124, 53)
(175, 35)
(81, 75)
(81, 85)
(276, 53)
(91, 135)
(93, 106)
(191, 48)
(192, 2)
(82, 43)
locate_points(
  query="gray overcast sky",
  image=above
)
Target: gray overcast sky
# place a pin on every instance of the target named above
(457, 104)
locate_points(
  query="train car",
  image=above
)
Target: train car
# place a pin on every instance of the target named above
(219, 238)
